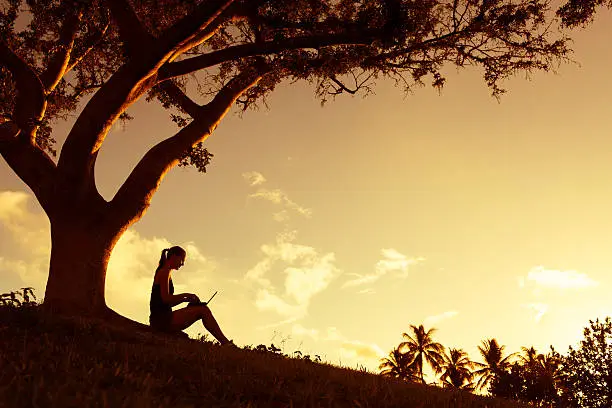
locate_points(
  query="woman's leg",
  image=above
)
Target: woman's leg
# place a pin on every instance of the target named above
(185, 317)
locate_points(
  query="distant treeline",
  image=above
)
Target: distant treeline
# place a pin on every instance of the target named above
(580, 378)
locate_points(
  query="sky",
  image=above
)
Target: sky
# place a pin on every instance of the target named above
(330, 230)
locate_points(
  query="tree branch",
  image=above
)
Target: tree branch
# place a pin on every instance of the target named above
(29, 162)
(77, 158)
(58, 65)
(89, 45)
(196, 27)
(342, 86)
(127, 84)
(135, 194)
(179, 68)
(181, 99)
(30, 104)
(136, 39)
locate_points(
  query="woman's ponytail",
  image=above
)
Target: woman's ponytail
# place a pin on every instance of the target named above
(162, 259)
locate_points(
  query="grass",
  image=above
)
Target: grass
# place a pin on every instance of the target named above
(52, 361)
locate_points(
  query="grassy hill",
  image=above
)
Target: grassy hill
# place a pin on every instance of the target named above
(48, 361)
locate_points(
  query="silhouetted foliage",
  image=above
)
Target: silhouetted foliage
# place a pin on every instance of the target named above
(422, 349)
(399, 365)
(580, 12)
(23, 297)
(494, 363)
(455, 370)
(532, 379)
(586, 371)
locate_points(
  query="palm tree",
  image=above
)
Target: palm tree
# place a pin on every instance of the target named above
(530, 357)
(494, 362)
(422, 348)
(398, 365)
(456, 368)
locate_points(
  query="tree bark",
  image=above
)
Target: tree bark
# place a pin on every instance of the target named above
(81, 246)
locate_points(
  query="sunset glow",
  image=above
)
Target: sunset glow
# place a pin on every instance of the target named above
(331, 229)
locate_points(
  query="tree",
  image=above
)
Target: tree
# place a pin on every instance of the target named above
(586, 372)
(529, 356)
(422, 349)
(115, 52)
(398, 365)
(456, 370)
(532, 379)
(494, 363)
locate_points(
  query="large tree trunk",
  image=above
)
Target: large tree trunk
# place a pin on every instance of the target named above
(80, 251)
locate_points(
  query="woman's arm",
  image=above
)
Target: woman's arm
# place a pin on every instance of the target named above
(171, 299)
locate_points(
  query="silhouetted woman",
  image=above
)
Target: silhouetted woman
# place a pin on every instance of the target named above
(162, 316)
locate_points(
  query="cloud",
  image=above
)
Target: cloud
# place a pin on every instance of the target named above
(355, 350)
(551, 278)
(539, 309)
(12, 205)
(281, 216)
(310, 278)
(254, 178)
(275, 196)
(358, 349)
(29, 229)
(32, 273)
(392, 261)
(436, 319)
(299, 330)
(303, 271)
(279, 197)
(26, 242)
(266, 300)
(332, 333)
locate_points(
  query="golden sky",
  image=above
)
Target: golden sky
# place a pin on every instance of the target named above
(335, 228)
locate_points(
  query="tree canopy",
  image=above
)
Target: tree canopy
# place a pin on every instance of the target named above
(94, 58)
(580, 12)
(586, 371)
(76, 46)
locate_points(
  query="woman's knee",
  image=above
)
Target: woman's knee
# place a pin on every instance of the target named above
(205, 311)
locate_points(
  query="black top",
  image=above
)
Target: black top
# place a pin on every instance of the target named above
(156, 304)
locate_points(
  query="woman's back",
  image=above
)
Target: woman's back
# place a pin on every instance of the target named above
(157, 304)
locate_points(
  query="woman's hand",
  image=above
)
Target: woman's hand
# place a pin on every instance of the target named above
(190, 297)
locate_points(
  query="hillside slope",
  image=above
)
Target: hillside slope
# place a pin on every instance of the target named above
(49, 361)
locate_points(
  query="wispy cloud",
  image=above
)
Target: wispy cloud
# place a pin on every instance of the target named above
(281, 216)
(302, 269)
(254, 178)
(436, 319)
(361, 350)
(392, 261)
(276, 196)
(299, 330)
(267, 300)
(351, 349)
(538, 310)
(279, 197)
(551, 278)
